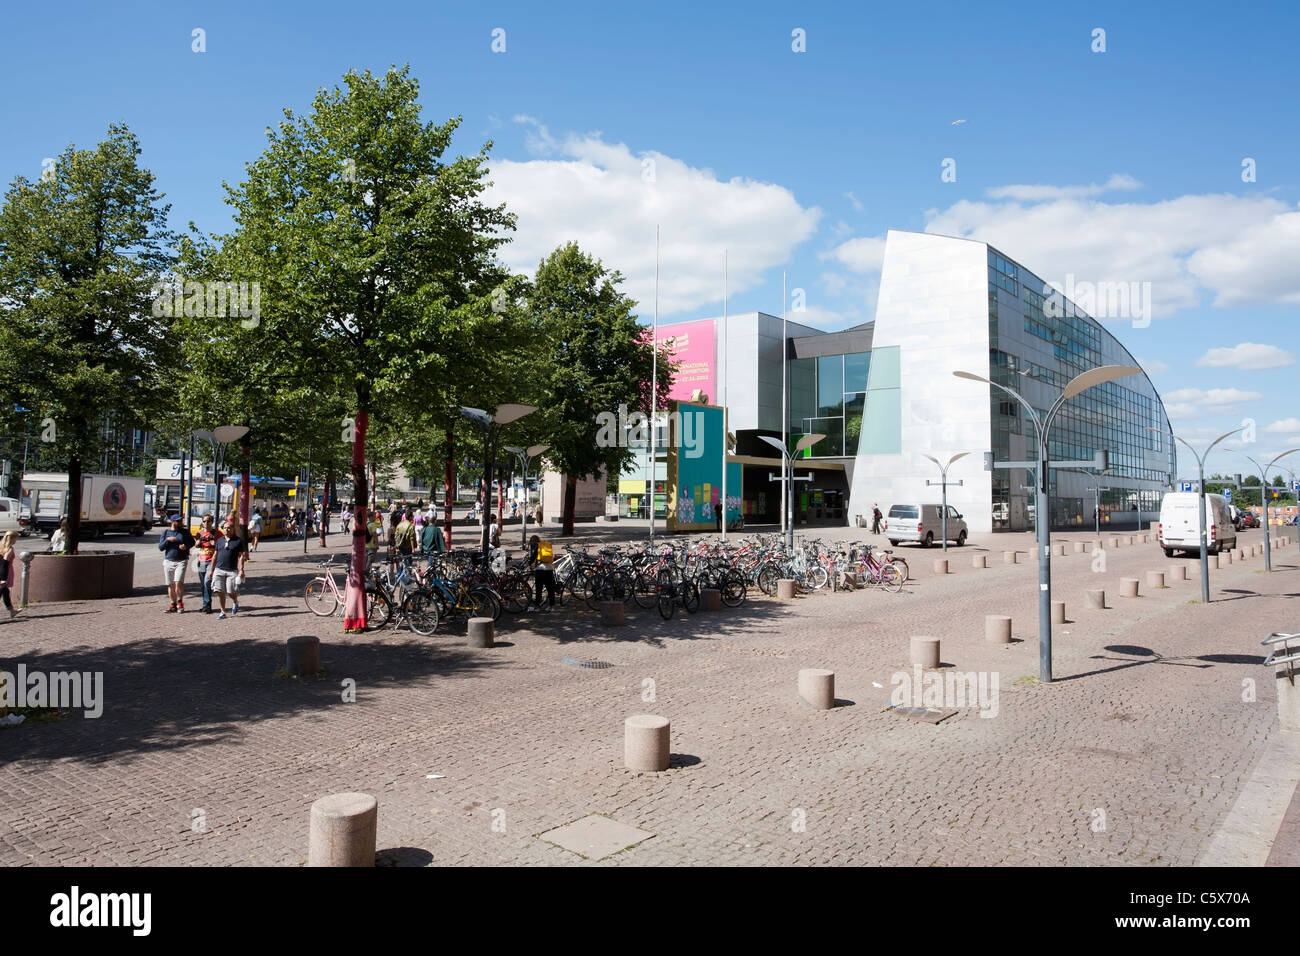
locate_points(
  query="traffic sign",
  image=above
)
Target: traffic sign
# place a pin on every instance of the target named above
(1187, 486)
(1295, 484)
(1227, 495)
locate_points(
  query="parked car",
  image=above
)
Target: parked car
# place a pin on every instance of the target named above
(9, 515)
(1249, 519)
(1179, 528)
(924, 524)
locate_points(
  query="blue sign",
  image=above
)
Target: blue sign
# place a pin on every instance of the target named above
(1227, 495)
(1187, 486)
(1295, 484)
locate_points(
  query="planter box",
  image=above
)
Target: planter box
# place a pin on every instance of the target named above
(88, 576)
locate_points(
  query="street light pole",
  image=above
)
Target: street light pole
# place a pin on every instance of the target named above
(505, 414)
(943, 481)
(787, 473)
(1263, 499)
(525, 455)
(1042, 523)
(1200, 517)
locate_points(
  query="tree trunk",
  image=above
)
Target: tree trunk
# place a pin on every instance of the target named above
(327, 499)
(570, 504)
(450, 493)
(74, 504)
(354, 613)
(245, 479)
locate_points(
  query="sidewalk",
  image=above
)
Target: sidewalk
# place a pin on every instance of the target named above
(1135, 755)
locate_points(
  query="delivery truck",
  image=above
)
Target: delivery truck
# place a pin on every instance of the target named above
(108, 503)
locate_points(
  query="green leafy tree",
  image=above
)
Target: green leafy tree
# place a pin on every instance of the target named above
(593, 357)
(82, 250)
(370, 249)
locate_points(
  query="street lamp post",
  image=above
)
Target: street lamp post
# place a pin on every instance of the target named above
(1263, 499)
(1097, 489)
(1042, 523)
(787, 466)
(943, 482)
(525, 455)
(1200, 516)
(504, 415)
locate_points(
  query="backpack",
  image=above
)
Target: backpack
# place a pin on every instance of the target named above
(545, 553)
(404, 540)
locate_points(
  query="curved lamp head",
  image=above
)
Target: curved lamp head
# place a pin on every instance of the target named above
(1096, 376)
(775, 443)
(505, 414)
(476, 415)
(535, 450)
(228, 433)
(807, 442)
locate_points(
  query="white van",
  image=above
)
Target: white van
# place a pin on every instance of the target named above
(1180, 531)
(10, 516)
(923, 523)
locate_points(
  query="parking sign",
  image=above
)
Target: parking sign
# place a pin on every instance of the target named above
(1186, 486)
(1227, 495)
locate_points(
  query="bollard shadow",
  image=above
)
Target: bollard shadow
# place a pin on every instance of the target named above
(1148, 657)
(404, 856)
(845, 702)
(682, 761)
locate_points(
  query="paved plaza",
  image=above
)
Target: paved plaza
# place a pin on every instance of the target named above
(1140, 753)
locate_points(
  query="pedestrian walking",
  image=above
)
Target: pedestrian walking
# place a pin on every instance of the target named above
(8, 558)
(539, 558)
(875, 518)
(404, 535)
(228, 569)
(432, 542)
(254, 529)
(205, 547)
(176, 545)
(59, 539)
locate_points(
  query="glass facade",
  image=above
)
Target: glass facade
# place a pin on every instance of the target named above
(1038, 342)
(827, 396)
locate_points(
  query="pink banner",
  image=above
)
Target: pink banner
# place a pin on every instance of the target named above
(691, 346)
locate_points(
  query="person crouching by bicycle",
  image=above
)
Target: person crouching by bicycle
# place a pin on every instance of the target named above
(543, 572)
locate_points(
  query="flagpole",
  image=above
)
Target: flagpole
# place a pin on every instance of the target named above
(725, 290)
(785, 405)
(654, 396)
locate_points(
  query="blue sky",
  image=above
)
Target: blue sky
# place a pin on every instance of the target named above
(610, 119)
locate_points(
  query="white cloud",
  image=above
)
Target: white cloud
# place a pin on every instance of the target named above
(1154, 367)
(857, 203)
(863, 255)
(1213, 397)
(609, 201)
(1040, 193)
(1180, 409)
(1248, 356)
(1285, 425)
(1238, 249)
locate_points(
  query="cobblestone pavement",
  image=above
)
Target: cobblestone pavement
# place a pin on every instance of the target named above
(202, 756)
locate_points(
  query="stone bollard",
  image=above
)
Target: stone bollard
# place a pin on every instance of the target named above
(302, 656)
(1058, 550)
(26, 557)
(343, 829)
(1178, 572)
(710, 599)
(1009, 557)
(1240, 554)
(1128, 587)
(850, 580)
(1058, 612)
(1114, 543)
(1080, 547)
(482, 633)
(997, 629)
(817, 687)
(1225, 558)
(1212, 562)
(645, 742)
(613, 614)
(940, 565)
(785, 589)
(1097, 599)
(1131, 540)
(979, 561)
(925, 652)
(1155, 580)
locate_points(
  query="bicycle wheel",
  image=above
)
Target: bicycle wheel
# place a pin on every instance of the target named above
(818, 577)
(664, 598)
(486, 602)
(690, 597)
(891, 579)
(320, 598)
(621, 586)
(379, 611)
(645, 592)
(515, 594)
(900, 565)
(732, 586)
(421, 612)
(767, 579)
